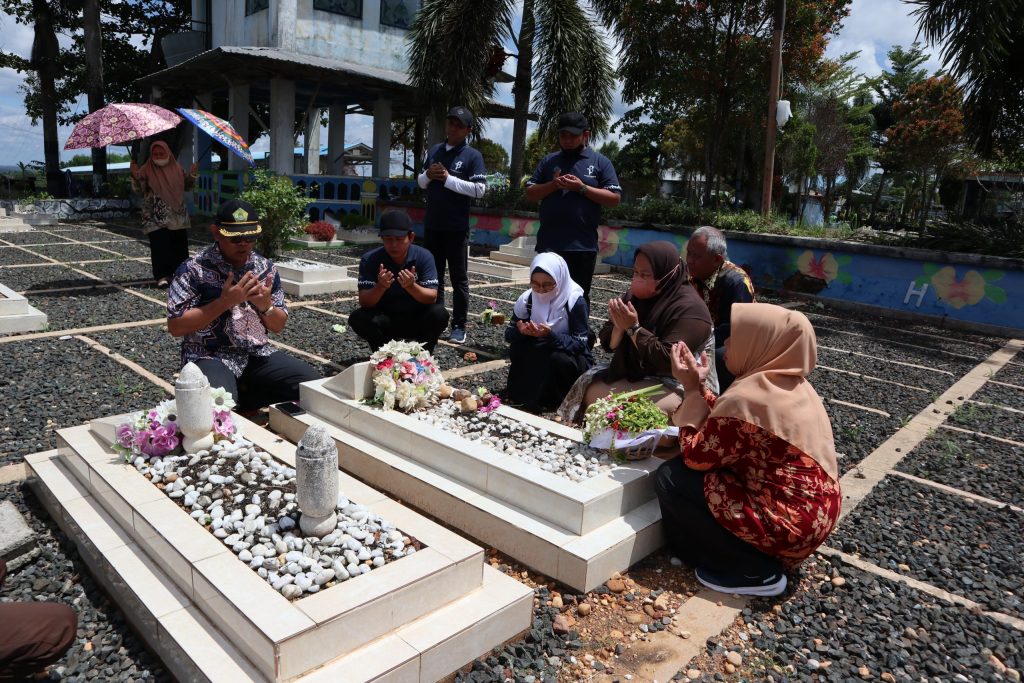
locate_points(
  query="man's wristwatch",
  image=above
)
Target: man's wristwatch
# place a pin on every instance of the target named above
(633, 329)
(265, 313)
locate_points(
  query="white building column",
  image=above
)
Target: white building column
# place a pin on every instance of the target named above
(282, 126)
(312, 142)
(335, 139)
(382, 138)
(238, 116)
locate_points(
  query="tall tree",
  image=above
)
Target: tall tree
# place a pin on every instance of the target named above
(93, 44)
(889, 88)
(707, 61)
(44, 60)
(983, 49)
(928, 134)
(451, 44)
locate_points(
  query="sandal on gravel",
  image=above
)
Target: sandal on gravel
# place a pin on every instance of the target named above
(163, 283)
(742, 584)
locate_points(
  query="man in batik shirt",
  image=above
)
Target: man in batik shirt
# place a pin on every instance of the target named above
(223, 302)
(721, 283)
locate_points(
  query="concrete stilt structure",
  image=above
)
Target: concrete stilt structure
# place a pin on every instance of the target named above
(282, 126)
(382, 138)
(238, 108)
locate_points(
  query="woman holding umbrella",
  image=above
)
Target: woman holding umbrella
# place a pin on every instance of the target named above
(163, 182)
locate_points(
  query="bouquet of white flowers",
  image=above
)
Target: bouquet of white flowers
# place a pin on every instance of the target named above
(405, 376)
(629, 421)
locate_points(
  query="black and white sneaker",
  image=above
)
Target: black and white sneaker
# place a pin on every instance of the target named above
(742, 584)
(458, 335)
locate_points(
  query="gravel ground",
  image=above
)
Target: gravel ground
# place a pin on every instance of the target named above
(857, 432)
(32, 237)
(311, 331)
(988, 420)
(99, 306)
(896, 400)
(11, 256)
(152, 347)
(42, 277)
(967, 548)
(84, 234)
(935, 382)
(971, 463)
(1005, 396)
(120, 271)
(49, 384)
(133, 248)
(105, 647)
(73, 253)
(881, 348)
(953, 341)
(1011, 373)
(826, 632)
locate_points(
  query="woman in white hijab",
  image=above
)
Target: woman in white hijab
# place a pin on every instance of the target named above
(548, 336)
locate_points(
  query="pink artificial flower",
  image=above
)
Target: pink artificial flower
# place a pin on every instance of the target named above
(491, 405)
(492, 304)
(222, 424)
(150, 443)
(385, 364)
(125, 435)
(408, 370)
(166, 438)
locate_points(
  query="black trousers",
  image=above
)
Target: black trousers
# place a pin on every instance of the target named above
(693, 533)
(451, 248)
(540, 377)
(379, 327)
(168, 249)
(265, 381)
(581, 268)
(725, 378)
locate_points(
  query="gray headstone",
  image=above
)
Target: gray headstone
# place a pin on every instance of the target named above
(16, 538)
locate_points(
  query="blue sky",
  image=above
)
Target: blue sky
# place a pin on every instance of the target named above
(872, 27)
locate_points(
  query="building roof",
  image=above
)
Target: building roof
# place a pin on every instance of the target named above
(319, 80)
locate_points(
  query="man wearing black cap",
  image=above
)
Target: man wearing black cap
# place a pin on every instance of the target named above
(222, 302)
(452, 175)
(572, 185)
(398, 289)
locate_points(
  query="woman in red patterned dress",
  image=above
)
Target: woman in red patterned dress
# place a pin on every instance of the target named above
(757, 488)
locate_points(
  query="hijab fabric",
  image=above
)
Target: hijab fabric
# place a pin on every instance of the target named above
(168, 182)
(550, 308)
(771, 351)
(674, 298)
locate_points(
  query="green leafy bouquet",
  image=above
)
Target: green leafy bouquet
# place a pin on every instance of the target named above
(630, 421)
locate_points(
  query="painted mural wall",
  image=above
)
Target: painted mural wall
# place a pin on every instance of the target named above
(964, 287)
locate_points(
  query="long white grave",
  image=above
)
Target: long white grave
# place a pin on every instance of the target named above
(16, 315)
(210, 617)
(300, 277)
(579, 533)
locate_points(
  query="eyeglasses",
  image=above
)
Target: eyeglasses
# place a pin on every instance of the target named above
(543, 287)
(243, 239)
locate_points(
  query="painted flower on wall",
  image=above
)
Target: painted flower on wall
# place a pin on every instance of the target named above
(966, 291)
(608, 240)
(825, 267)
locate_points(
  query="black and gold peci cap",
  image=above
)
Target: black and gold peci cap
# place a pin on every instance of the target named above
(236, 217)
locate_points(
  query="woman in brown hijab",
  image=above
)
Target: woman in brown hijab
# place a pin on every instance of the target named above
(659, 309)
(162, 183)
(757, 487)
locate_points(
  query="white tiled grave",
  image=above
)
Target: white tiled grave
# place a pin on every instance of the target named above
(300, 277)
(521, 250)
(578, 533)
(210, 617)
(341, 236)
(16, 315)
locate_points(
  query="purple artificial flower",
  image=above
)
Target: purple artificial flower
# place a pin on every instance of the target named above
(492, 304)
(125, 436)
(166, 439)
(222, 423)
(147, 441)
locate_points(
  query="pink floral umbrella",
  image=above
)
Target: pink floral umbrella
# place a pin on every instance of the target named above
(120, 122)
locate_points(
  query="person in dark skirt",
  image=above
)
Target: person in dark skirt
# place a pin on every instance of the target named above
(548, 336)
(162, 182)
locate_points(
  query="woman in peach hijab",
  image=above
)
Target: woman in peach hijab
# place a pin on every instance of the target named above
(162, 183)
(756, 488)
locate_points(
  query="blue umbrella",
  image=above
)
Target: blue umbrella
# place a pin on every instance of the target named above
(220, 130)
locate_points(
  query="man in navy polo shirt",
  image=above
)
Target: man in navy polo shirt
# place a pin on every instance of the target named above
(398, 289)
(452, 175)
(572, 185)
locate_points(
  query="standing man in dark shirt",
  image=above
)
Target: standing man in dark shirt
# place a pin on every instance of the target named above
(452, 176)
(572, 185)
(398, 289)
(721, 283)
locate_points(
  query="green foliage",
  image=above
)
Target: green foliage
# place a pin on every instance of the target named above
(355, 220)
(495, 156)
(86, 159)
(281, 207)
(35, 197)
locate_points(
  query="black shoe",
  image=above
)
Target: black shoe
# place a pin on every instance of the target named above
(742, 584)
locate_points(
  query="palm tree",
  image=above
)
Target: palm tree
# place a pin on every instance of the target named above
(560, 47)
(984, 52)
(45, 56)
(94, 82)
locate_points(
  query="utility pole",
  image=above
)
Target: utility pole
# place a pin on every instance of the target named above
(773, 99)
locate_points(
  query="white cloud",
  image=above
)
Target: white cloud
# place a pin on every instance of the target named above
(875, 26)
